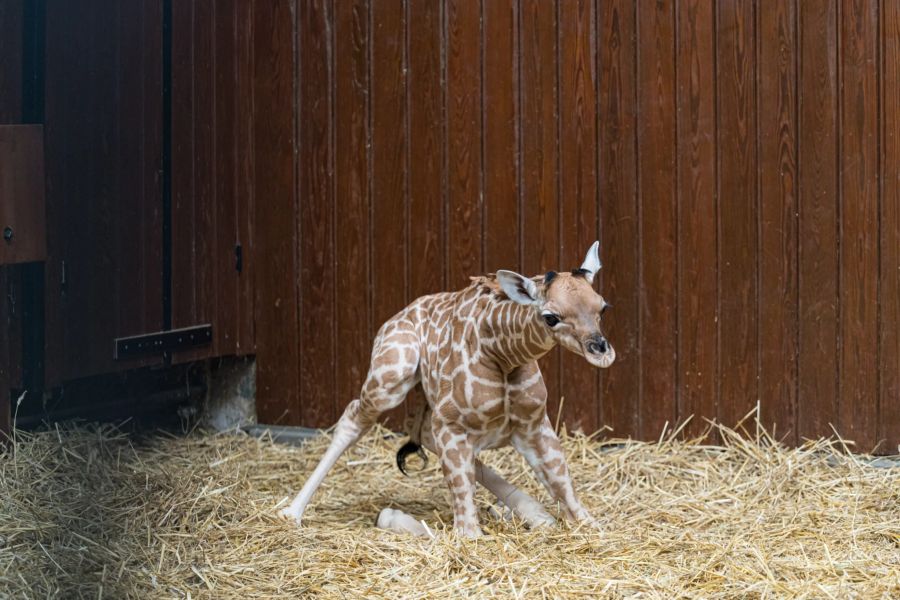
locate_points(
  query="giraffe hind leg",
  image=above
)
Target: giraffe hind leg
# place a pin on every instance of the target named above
(392, 373)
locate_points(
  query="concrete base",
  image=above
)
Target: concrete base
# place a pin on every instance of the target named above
(231, 394)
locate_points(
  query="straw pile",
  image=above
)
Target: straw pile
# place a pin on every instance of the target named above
(87, 511)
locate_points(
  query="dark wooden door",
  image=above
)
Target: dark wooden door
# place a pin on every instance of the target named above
(103, 116)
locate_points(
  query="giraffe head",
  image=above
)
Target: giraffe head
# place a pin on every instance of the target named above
(567, 306)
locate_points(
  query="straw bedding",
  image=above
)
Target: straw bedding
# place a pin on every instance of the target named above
(87, 511)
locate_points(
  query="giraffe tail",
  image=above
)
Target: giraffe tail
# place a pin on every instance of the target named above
(414, 445)
(408, 448)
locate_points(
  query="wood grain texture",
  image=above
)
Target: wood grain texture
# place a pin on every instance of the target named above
(818, 200)
(858, 408)
(425, 101)
(738, 211)
(22, 192)
(352, 276)
(778, 183)
(501, 135)
(225, 173)
(277, 332)
(657, 215)
(739, 160)
(540, 156)
(889, 276)
(389, 169)
(185, 115)
(697, 238)
(578, 214)
(10, 342)
(245, 177)
(619, 241)
(211, 173)
(11, 21)
(316, 209)
(464, 133)
(102, 146)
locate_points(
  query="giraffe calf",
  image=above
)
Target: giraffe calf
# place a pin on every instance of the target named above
(474, 352)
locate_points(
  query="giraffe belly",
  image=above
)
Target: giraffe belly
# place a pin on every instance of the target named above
(496, 438)
(495, 432)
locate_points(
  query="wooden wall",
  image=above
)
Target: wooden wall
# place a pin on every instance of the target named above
(739, 162)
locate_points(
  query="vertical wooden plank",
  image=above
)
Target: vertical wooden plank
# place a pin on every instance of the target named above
(11, 15)
(6, 342)
(316, 214)
(351, 38)
(203, 278)
(92, 262)
(818, 362)
(225, 172)
(197, 260)
(388, 93)
(151, 148)
(277, 382)
(500, 117)
(184, 224)
(657, 216)
(10, 339)
(577, 38)
(426, 150)
(540, 157)
(697, 306)
(889, 407)
(464, 139)
(858, 408)
(620, 277)
(246, 226)
(738, 211)
(778, 317)
(58, 190)
(138, 158)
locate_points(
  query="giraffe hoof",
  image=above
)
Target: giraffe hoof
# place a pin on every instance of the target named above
(400, 522)
(500, 512)
(541, 520)
(290, 515)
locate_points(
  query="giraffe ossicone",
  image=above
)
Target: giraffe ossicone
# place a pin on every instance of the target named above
(474, 352)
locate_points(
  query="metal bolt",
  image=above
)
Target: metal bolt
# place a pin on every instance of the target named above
(7, 233)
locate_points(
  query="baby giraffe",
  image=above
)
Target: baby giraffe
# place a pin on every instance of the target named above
(475, 354)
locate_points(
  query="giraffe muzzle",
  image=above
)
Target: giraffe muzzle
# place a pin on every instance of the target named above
(599, 352)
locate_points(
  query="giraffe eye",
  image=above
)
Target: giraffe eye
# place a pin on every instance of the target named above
(606, 307)
(551, 320)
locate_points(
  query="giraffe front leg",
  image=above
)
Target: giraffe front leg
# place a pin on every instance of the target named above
(541, 449)
(458, 465)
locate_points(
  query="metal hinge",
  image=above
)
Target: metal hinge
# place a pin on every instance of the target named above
(162, 342)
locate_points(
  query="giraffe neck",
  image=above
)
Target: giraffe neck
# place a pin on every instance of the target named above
(514, 335)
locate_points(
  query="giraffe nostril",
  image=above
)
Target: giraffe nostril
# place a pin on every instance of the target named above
(599, 346)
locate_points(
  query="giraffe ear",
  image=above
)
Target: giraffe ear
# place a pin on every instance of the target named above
(591, 262)
(519, 288)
